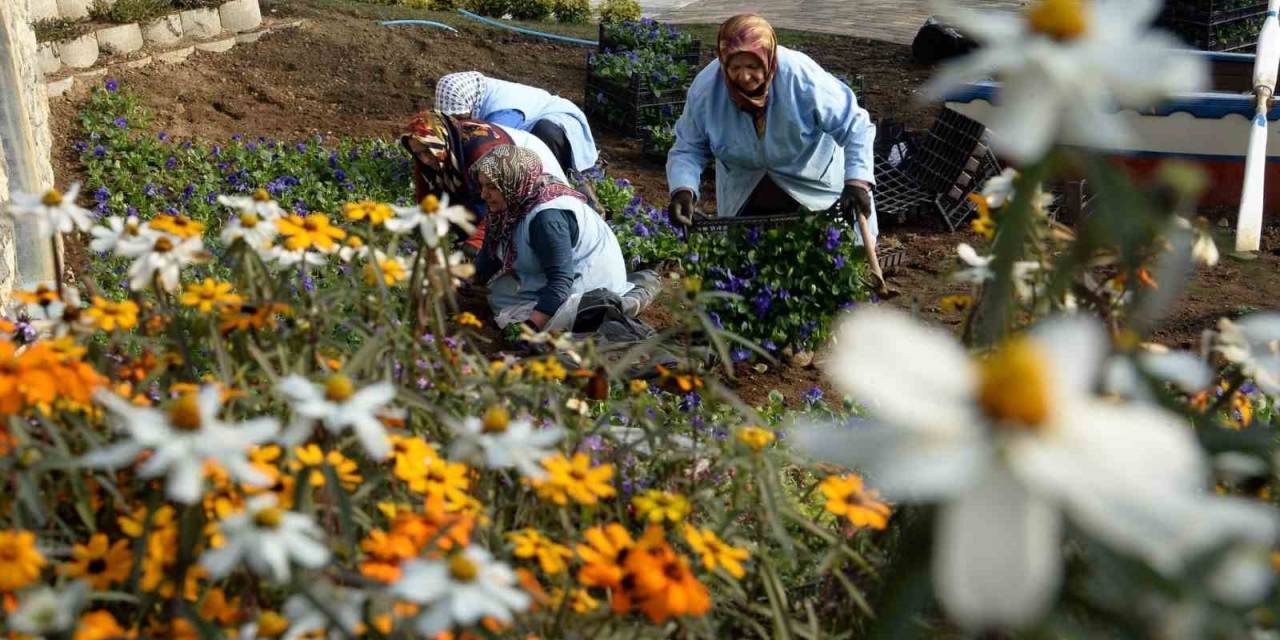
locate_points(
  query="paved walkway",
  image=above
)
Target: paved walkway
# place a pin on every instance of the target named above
(891, 20)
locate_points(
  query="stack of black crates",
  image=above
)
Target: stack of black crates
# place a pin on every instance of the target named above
(631, 108)
(1216, 25)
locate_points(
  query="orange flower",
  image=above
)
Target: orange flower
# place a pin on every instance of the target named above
(602, 556)
(100, 562)
(100, 625)
(180, 226)
(846, 496)
(662, 583)
(313, 232)
(386, 552)
(20, 561)
(217, 608)
(437, 524)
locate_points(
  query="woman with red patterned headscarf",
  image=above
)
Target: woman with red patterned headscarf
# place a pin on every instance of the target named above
(786, 136)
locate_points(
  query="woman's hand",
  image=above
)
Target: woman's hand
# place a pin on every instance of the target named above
(539, 320)
(855, 200)
(680, 210)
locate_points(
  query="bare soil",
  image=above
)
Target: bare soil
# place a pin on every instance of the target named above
(343, 74)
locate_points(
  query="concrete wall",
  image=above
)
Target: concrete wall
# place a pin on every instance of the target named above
(25, 142)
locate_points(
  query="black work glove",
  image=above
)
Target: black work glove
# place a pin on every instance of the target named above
(854, 199)
(681, 208)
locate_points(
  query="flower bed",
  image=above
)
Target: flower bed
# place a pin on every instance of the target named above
(299, 434)
(652, 36)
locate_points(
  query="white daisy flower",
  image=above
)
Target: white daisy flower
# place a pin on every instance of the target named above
(1010, 445)
(498, 442)
(432, 218)
(116, 230)
(347, 605)
(266, 538)
(460, 591)
(979, 271)
(1253, 343)
(1065, 66)
(1123, 373)
(1244, 575)
(348, 252)
(284, 258)
(44, 612)
(999, 191)
(53, 211)
(181, 440)
(260, 204)
(254, 229)
(459, 268)
(158, 255)
(338, 405)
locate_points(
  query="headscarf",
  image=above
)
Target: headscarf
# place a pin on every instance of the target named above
(749, 33)
(517, 173)
(460, 93)
(454, 144)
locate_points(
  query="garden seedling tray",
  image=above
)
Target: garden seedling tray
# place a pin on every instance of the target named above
(629, 109)
(692, 55)
(1210, 12)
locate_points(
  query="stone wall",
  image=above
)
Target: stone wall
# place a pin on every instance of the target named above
(26, 142)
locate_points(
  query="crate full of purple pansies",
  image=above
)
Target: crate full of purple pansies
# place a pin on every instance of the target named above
(632, 90)
(653, 36)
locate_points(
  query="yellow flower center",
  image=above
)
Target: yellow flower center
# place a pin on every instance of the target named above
(430, 204)
(261, 195)
(184, 413)
(268, 518)
(1127, 340)
(338, 388)
(163, 245)
(496, 420)
(1059, 19)
(1014, 387)
(462, 569)
(52, 198)
(248, 220)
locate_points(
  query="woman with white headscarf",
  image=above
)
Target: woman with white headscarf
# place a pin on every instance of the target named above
(552, 119)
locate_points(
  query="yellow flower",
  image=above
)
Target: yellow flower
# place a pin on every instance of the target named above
(657, 506)
(41, 296)
(529, 543)
(547, 369)
(313, 457)
(100, 625)
(271, 624)
(846, 496)
(180, 226)
(312, 232)
(133, 524)
(393, 270)
(108, 315)
(101, 563)
(468, 319)
(983, 224)
(375, 212)
(20, 561)
(580, 600)
(443, 478)
(956, 304)
(1059, 19)
(209, 294)
(716, 552)
(217, 607)
(410, 455)
(755, 437)
(574, 478)
(639, 386)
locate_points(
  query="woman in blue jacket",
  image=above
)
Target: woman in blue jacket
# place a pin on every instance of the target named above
(554, 120)
(785, 135)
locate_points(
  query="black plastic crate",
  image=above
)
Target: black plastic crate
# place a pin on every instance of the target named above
(1232, 35)
(692, 55)
(1208, 12)
(628, 109)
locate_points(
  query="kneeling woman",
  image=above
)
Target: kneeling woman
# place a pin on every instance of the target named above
(543, 243)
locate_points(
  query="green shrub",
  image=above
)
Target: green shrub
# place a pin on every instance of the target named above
(126, 11)
(195, 4)
(573, 11)
(532, 9)
(55, 29)
(418, 4)
(491, 8)
(445, 5)
(619, 10)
